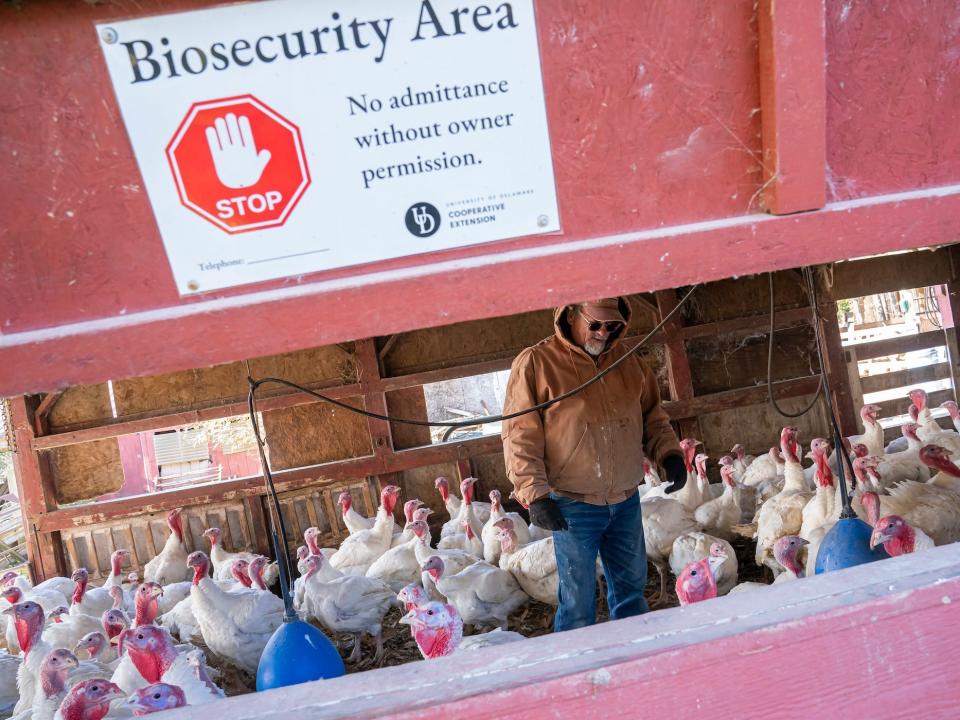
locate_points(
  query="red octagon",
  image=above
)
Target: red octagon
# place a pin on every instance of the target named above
(207, 157)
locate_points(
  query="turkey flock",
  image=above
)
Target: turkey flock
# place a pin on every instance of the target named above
(131, 648)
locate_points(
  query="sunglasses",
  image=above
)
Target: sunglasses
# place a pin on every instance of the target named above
(611, 326)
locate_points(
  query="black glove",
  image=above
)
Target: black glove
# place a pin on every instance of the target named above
(546, 513)
(676, 472)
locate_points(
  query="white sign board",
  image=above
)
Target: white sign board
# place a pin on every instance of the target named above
(286, 137)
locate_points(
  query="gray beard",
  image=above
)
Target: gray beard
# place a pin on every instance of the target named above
(594, 347)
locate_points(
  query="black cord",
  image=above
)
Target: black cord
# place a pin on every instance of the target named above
(840, 450)
(770, 398)
(283, 558)
(255, 384)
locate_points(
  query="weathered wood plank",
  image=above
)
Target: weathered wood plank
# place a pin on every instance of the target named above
(737, 398)
(899, 345)
(904, 378)
(793, 99)
(888, 273)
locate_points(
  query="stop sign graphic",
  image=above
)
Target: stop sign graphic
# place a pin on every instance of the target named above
(238, 164)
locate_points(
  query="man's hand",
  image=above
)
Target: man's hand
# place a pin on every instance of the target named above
(546, 513)
(676, 472)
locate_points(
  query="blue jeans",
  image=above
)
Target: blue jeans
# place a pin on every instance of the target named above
(616, 532)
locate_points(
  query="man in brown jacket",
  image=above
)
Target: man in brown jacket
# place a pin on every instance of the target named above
(577, 464)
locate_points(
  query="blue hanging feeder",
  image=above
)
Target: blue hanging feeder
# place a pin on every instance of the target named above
(845, 545)
(297, 652)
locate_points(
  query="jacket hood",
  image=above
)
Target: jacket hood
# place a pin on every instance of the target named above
(562, 328)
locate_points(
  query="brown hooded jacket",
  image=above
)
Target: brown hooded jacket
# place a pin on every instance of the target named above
(589, 447)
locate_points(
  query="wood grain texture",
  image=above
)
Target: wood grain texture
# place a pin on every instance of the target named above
(651, 108)
(792, 104)
(891, 89)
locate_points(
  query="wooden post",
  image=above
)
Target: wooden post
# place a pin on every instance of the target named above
(34, 488)
(853, 376)
(836, 370)
(678, 365)
(793, 103)
(259, 526)
(375, 400)
(949, 314)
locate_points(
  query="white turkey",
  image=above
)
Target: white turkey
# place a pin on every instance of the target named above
(170, 564)
(455, 507)
(785, 551)
(899, 537)
(691, 495)
(534, 566)
(359, 551)
(235, 625)
(693, 546)
(488, 535)
(222, 561)
(398, 566)
(664, 520)
(930, 433)
(782, 514)
(350, 604)
(153, 654)
(934, 506)
(484, 594)
(719, 515)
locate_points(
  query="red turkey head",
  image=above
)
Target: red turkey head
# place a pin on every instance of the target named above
(869, 414)
(28, 622)
(951, 407)
(155, 698)
(89, 700)
(213, 534)
(919, 398)
(201, 565)
(175, 523)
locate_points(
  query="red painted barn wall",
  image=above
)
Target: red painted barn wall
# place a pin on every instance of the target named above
(236, 464)
(654, 121)
(135, 452)
(893, 96)
(650, 107)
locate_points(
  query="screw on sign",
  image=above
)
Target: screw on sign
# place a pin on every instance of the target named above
(238, 164)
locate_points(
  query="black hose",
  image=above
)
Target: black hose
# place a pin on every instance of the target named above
(770, 398)
(841, 451)
(255, 384)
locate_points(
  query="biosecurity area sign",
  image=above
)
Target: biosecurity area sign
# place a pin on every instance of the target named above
(286, 137)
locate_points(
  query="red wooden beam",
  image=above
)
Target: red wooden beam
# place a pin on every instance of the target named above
(793, 102)
(35, 493)
(678, 365)
(730, 399)
(855, 633)
(366, 305)
(311, 476)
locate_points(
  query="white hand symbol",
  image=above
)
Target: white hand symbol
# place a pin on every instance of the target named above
(235, 156)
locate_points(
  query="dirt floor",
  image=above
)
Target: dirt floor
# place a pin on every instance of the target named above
(535, 620)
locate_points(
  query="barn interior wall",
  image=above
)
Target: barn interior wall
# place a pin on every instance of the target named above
(81, 472)
(301, 436)
(314, 434)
